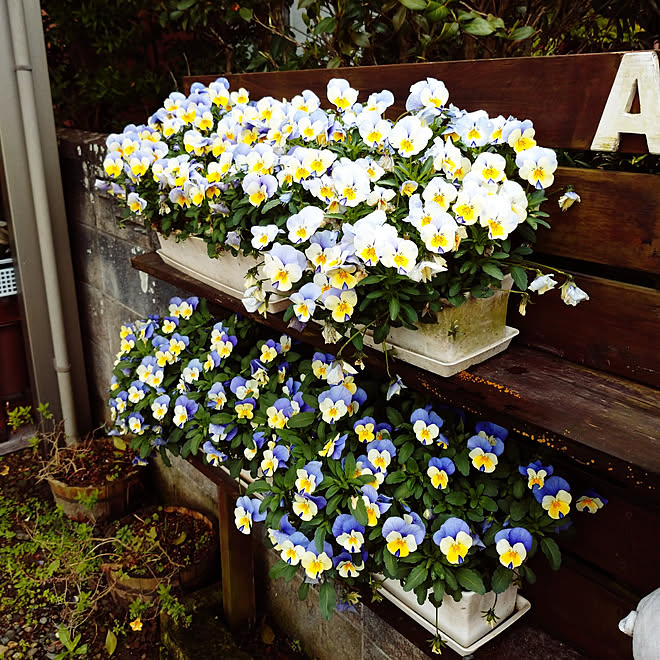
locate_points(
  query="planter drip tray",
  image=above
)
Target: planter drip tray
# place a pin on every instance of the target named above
(446, 369)
(522, 607)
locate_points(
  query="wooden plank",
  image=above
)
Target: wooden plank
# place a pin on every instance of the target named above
(627, 558)
(578, 86)
(582, 607)
(236, 554)
(601, 420)
(617, 223)
(616, 330)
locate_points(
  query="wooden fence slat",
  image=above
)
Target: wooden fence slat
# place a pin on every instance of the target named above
(564, 95)
(616, 330)
(582, 607)
(617, 223)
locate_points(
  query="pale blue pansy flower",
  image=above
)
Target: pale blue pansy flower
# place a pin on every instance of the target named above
(348, 533)
(136, 423)
(537, 166)
(482, 454)
(284, 266)
(590, 502)
(213, 455)
(571, 294)
(160, 406)
(184, 410)
(536, 474)
(403, 535)
(333, 403)
(216, 397)
(554, 497)
(380, 454)
(309, 477)
(316, 563)
(246, 513)
(455, 540)
(430, 94)
(512, 546)
(304, 301)
(439, 470)
(426, 425)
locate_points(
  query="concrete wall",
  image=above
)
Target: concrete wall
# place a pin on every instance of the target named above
(109, 291)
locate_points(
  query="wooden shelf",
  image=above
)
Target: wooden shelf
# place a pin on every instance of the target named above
(605, 422)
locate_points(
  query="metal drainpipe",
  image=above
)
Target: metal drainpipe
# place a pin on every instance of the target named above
(61, 361)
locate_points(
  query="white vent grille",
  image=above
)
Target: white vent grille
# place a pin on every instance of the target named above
(7, 278)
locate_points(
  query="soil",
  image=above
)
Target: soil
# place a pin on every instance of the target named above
(31, 632)
(93, 464)
(163, 541)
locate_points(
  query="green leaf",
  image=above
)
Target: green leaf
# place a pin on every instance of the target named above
(390, 562)
(406, 452)
(303, 590)
(470, 580)
(180, 539)
(301, 420)
(110, 642)
(327, 599)
(488, 504)
(319, 538)
(416, 577)
(457, 498)
(478, 27)
(381, 332)
(245, 13)
(358, 342)
(349, 465)
(258, 486)
(185, 4)
(360, 512)
(493, 270)
(462, 462)
(519, 489)
(438, 590)
(394, 416)
(518, 509)
(501, 579)
(414, 4)
(522, 33)
(395, 307)
(327, 24)
(519, 276)
(552, 552)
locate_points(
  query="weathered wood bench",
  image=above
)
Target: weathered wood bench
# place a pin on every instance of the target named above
(583, 381)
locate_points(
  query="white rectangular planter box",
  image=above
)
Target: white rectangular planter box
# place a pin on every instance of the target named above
(461, 623)
(460, 337)
(226, 273)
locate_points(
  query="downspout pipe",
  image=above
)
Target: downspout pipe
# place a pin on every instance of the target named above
(24, 79)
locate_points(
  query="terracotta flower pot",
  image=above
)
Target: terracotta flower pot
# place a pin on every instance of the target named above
(126, 588)
(112, 499)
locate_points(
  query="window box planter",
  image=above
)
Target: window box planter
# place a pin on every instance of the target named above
(225, 273)
(461, 623)
(460, 337)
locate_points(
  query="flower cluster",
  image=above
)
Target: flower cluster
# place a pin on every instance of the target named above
(356, 219)
(349, 487)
